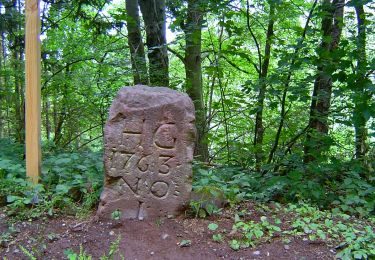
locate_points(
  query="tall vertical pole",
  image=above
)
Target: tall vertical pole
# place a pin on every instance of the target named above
(33, 121)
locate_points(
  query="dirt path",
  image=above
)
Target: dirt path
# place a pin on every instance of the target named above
(142, 240)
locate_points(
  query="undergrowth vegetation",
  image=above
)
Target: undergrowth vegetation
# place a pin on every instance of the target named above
(333, 185)
(349, 237)
(70, 183)
(334, 205)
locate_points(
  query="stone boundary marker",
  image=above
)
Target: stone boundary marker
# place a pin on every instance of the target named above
(148, 152)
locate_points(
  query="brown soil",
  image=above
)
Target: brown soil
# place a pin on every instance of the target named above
(144, 240)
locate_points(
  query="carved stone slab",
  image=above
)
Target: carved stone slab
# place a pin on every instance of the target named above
(149, 143)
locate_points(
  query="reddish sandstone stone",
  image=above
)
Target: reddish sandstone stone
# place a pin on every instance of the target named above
(148, 151)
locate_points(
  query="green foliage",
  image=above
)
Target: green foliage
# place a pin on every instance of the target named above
(82, 255)
(185, 243)
(11, 159)
(338, 186)
(217, 237)
(358, 244)
(85, 62)
(255, 232)
(206, 199)
(114, 251)
(334, 184)
(27, 253)
(213, 226)
(7, 236)
(351, 237)
(79, 175)
(202, 209)
(235, 244)
(70, 183)
(220, 182)
(116, 215)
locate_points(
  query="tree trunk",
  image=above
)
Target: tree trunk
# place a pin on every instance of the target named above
(48, 121)
(7, 97)
(259, 128)
(316, 140)
(135, 42)
(153, 12)
(193, 70)
(2, 83)
(360, 98)
(287, 81)
(16, 49)
(60, 114)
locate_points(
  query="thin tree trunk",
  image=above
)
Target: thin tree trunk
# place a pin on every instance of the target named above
(16, 50)
(19, 95)
(321, 97)
(60, 117)
(193, 70)
(48, 121)
(7, 96)
(360, 98)
(2, 81)
(154, 17)
(259, 128)
(136, 47)
(283, 111)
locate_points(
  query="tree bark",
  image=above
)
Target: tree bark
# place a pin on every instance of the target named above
(16, 48)
(2, 66)
(135, 42)
(47, 118)
(5, 81)
(259, 128)
(153, 12)
(360, 96)
(193, 70)
(316, 139)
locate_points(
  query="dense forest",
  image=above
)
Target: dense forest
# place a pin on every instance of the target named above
(283, 92)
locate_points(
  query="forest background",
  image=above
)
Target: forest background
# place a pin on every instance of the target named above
(283, 91)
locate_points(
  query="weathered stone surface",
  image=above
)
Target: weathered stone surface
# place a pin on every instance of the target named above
(149, 143)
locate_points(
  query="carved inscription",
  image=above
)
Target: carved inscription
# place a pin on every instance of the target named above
(160, 189)
(133, 187)
(165, 136)
(130, 141)
(165, 164)
(176, 192)
(128, 155)
(144, 163)
(149, 144)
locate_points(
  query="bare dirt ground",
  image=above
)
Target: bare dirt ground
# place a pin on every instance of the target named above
(160, 239)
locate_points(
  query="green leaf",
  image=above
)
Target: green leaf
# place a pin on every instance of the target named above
(202, 213)
(217, 237)
(63, 161)
(213, 226)
(234, 244)
(185, 243)
(258, 233)
(62, 188)
(360, 255)
(276, 228)
(321, 234)
(11, 198)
